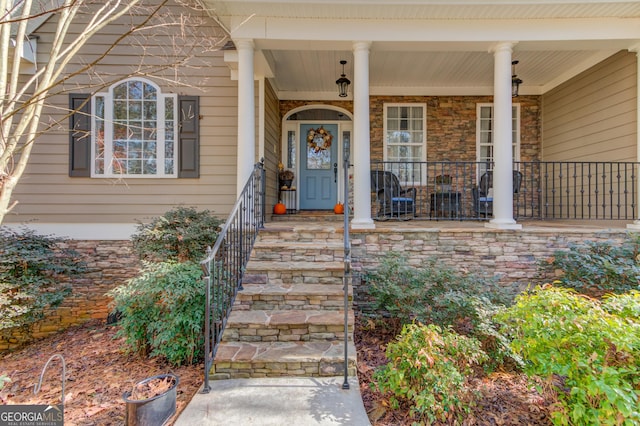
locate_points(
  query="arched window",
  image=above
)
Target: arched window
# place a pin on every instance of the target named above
(134, 131)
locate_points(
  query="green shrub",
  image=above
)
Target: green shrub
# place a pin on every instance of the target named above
(625, 305)
(435, 294)
(31, 266)
(181, 234)
(428, 369)
(591, 355)
(163, 311)
(595, 268)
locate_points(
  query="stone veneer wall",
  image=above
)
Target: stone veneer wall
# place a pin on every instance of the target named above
(110, 263)
(510, 256)
(451, 124)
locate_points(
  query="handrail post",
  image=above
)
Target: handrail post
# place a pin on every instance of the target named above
(347, 270)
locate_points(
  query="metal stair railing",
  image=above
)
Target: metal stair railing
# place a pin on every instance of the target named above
(347, 267)
(225, 264)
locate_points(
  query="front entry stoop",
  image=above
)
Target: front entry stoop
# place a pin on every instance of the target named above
(289, 319)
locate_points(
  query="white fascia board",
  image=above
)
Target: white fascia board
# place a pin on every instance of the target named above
(80, 231)
(305, 30)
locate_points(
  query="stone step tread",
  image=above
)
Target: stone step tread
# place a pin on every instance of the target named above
(288, 317)
(250, 290)
(303, 227)
(275, 265)
(299, 245)
(295, 352)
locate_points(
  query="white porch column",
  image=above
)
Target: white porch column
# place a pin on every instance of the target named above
(502, 140)
(361, 147)
(636, 224)
(246, 114)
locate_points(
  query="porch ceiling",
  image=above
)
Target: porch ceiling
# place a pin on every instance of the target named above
(428, 47)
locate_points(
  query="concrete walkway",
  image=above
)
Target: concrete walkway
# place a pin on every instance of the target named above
(299, 401)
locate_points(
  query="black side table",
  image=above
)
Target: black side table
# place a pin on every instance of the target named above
(445, 204)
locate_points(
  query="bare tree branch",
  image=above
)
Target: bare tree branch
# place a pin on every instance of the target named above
(77, 22)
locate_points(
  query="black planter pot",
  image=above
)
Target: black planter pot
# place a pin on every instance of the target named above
(153, 411)
(286, 182)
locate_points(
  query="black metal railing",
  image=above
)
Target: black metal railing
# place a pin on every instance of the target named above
(454, 190)
(226, 261)
(578, 190)
(346, 278)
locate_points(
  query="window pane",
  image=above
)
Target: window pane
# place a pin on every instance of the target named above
(291, 149)
(99, 106)
(134, 167)
(486, 112)
(135, 110)
(120, 110)
(135, 90)
(135, 130)
(168, 108)
(120, 91)
(149, 167)
(150, 92)
(150, 111)
(150, 130)
(168, 132)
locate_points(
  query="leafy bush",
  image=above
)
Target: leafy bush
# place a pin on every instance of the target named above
(435, 294)
(163, 311)
(181, 234)
(591, 355)
(428, 370)
(30, 269)
(594, 268)
(625, 305)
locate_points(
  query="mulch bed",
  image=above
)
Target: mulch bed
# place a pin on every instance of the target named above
(99, 372)
(507, 398)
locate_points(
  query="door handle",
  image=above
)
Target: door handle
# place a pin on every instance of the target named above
(335, 172)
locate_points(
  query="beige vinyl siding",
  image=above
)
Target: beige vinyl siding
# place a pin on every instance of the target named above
(592, 118)
(272, 154)
(47, 194)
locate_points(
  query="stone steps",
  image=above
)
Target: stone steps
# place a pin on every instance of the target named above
(298, 251)
(292, 272)
(276, 359)
(292, 296)
(286, 326)
(289, 318)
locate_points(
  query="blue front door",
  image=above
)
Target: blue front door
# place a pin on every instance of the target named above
(318, 181)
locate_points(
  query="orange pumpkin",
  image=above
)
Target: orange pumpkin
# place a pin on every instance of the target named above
(338, 208)
(279, 208)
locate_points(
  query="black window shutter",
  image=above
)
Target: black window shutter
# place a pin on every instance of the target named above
(188, 137)
(80, 135)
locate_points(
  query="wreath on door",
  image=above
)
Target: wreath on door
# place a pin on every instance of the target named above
(319, 139)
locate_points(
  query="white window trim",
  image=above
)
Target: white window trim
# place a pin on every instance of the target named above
(385, 145)
(479, 106)
(424, 127)
(161, 132)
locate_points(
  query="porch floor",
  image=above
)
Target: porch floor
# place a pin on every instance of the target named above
(421, 224)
